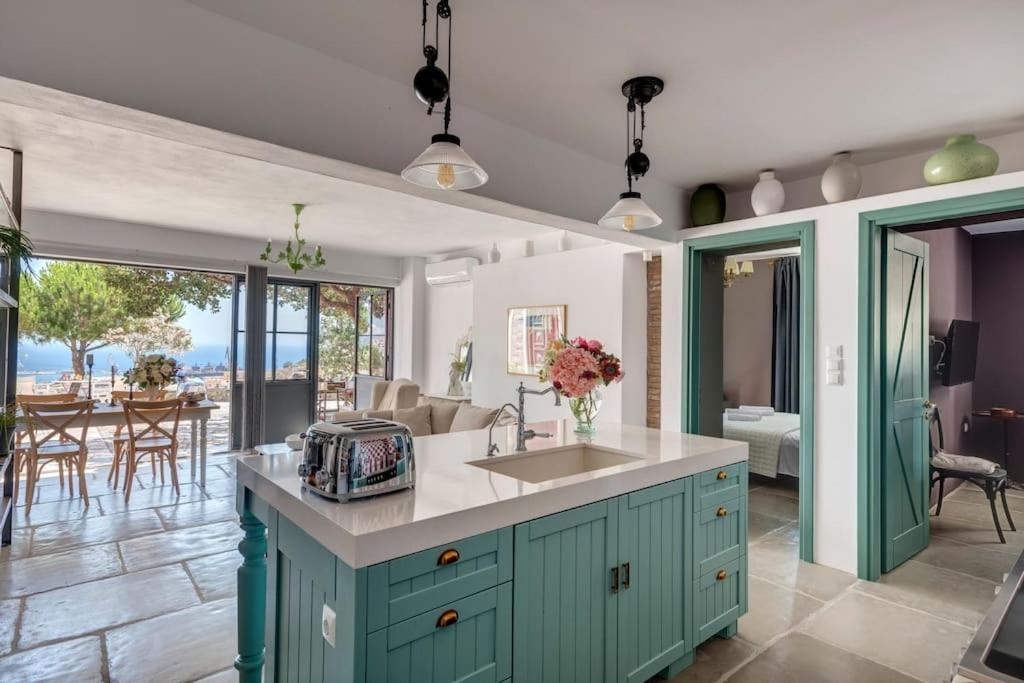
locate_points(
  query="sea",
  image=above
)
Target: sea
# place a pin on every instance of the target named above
(47, 362)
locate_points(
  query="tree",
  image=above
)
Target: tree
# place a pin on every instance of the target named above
(150, 335)
(84, 306)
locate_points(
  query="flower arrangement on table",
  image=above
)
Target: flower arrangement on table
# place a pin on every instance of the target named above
(577, 369)
(152, 373)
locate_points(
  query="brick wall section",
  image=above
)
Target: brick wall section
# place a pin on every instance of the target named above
(654, 343)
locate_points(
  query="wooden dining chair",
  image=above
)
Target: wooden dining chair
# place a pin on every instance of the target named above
(51, 434)
(120, 441)
(148, 436)
(21, 435)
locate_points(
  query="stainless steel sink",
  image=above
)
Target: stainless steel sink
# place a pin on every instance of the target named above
(554, 464)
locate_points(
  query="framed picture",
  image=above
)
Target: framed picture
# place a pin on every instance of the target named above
(530, 328)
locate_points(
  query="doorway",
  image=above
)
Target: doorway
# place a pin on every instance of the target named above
(896, 368)
(704, 266)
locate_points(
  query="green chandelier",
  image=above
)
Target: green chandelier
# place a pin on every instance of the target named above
(297, 258)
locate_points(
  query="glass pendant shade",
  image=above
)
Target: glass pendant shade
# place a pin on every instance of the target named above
(445, 165)
(630, 213)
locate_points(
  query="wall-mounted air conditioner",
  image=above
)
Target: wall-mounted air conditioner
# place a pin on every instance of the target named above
(451, 272)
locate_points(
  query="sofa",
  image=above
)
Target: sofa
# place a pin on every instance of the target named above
(433, 416)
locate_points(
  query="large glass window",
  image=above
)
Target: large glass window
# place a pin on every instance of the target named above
(287, 332)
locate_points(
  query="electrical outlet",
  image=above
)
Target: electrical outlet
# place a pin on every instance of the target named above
(329, 625)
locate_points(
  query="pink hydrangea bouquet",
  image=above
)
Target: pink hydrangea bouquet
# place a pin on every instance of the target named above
(577, 369)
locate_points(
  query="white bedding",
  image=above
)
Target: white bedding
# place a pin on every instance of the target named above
(774, 443)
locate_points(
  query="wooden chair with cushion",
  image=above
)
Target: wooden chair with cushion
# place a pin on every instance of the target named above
(120, 442)
(148, 436)
(21, 436)
(984, 474)
(52, 438)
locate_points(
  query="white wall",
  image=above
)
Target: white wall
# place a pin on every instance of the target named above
(410, 322)
(598, 286)
(449, 317)
(836, 321)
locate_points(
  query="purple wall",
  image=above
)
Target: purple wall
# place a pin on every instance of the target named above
(998, 301)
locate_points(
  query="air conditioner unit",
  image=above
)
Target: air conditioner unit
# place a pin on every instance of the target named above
(450, 272)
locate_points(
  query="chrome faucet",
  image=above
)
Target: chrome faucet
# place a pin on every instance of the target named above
(522, 433)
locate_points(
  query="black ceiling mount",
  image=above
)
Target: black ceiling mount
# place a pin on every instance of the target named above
(643, 89)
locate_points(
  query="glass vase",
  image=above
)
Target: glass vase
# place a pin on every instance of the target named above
(585, 410)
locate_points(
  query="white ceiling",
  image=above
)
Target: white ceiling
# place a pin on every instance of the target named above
(1007, 225)
(87, 168)
(750, 85)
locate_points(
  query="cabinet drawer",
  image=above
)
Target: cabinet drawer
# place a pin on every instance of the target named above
(468, 640)
(423, 581)
(719, 485)
(720, 597)
(719, 535)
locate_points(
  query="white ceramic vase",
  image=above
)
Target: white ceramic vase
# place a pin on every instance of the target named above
(493, 255)
(768, 195)
(841, 180)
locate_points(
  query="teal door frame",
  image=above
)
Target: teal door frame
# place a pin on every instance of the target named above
(869, 343)
(692, 251)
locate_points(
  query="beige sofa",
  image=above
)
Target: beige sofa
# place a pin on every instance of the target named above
(434, 416)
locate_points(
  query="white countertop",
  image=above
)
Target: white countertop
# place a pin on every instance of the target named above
(454, 500)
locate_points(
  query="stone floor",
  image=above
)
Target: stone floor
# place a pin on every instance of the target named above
(146, 592)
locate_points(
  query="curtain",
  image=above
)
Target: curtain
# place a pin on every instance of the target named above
(786, 335)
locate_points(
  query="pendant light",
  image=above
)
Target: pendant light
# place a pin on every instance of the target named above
(631, 212)
(444, 164)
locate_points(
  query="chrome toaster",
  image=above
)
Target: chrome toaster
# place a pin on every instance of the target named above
(357, 458)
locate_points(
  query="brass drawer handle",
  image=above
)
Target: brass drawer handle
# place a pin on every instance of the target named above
(720, 576)
(448, 618)
(625, 580)
(450, 556)
(722, 475)
(615, 579)
(721, 512)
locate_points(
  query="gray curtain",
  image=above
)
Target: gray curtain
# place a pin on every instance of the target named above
(786, 335)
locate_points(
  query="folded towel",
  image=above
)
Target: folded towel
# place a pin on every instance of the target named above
(758, 410)
(743, 417)
(964, 463)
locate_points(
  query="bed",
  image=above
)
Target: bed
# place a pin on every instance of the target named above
(774, 442)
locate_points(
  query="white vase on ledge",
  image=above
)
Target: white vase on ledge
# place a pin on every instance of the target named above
(841, 180)
(768, 195)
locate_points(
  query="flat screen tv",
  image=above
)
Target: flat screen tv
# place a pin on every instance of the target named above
(961, 352)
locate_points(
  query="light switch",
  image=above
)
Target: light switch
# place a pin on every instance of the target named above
(834, 377)
(329, 625)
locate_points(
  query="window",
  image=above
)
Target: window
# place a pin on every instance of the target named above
(287, 332)
(373, 320)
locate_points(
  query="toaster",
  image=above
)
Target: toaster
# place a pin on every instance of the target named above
(357, 458)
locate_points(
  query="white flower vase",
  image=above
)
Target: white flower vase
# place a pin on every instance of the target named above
(841, 180)
(151, 392)
(455, 382)
(493, 255)
(768, 195)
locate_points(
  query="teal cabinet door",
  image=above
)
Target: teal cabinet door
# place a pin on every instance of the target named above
(466, 641)
(655, 532)
(565, 594)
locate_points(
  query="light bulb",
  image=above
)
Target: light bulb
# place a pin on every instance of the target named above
(445, 176)
(629, 222)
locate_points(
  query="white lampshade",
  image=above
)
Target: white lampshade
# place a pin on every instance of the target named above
(445, 165)
(630, 213)
(732, 267)
(747, 268)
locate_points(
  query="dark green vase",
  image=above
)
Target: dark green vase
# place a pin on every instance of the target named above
(707, 205)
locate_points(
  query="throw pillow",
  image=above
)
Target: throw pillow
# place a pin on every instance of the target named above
(441, 414)
(469, 417)
(416, 419)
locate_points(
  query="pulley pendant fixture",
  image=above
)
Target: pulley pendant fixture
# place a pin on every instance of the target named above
(631, 212)
(444, 164)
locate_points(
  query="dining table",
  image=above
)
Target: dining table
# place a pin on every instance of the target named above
(196, 414)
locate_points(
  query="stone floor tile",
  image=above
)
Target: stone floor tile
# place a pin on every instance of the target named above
(183, 544)
(759, 524)
(773, 610)
(52, 538)
(788, 487)
(890, 634)
(766, 502)
(799, 657)
(152, 497)
(8, 620)
(225, 676)
(102, 604)
(984, 563)
(220, 488)
(713, 659)
(78, 660)
(54, 493)
(203, 642)
(941, 592)
(972, 494)
(198, 512)
(57, 570)
(776, 559)
(21, 545)
(58, 511)
(979, 531)
(215, 574)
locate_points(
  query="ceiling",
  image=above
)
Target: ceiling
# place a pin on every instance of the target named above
(748, 85)
(83, 167)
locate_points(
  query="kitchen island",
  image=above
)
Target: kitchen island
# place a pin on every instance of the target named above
(608, 558)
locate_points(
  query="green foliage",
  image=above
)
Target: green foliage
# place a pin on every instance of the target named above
(16, 245)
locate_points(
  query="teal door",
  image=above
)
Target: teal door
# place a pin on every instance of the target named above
(655, 578)
(565, 583)
(904, 490)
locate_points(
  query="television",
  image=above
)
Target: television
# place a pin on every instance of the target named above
(961, 355)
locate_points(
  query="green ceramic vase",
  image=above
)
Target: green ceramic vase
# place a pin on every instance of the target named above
(962, 158)
(707, 205)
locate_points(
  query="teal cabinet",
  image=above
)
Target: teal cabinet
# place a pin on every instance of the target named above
(565, 584)
(468, 641)
(720, 598)
(720, 534)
